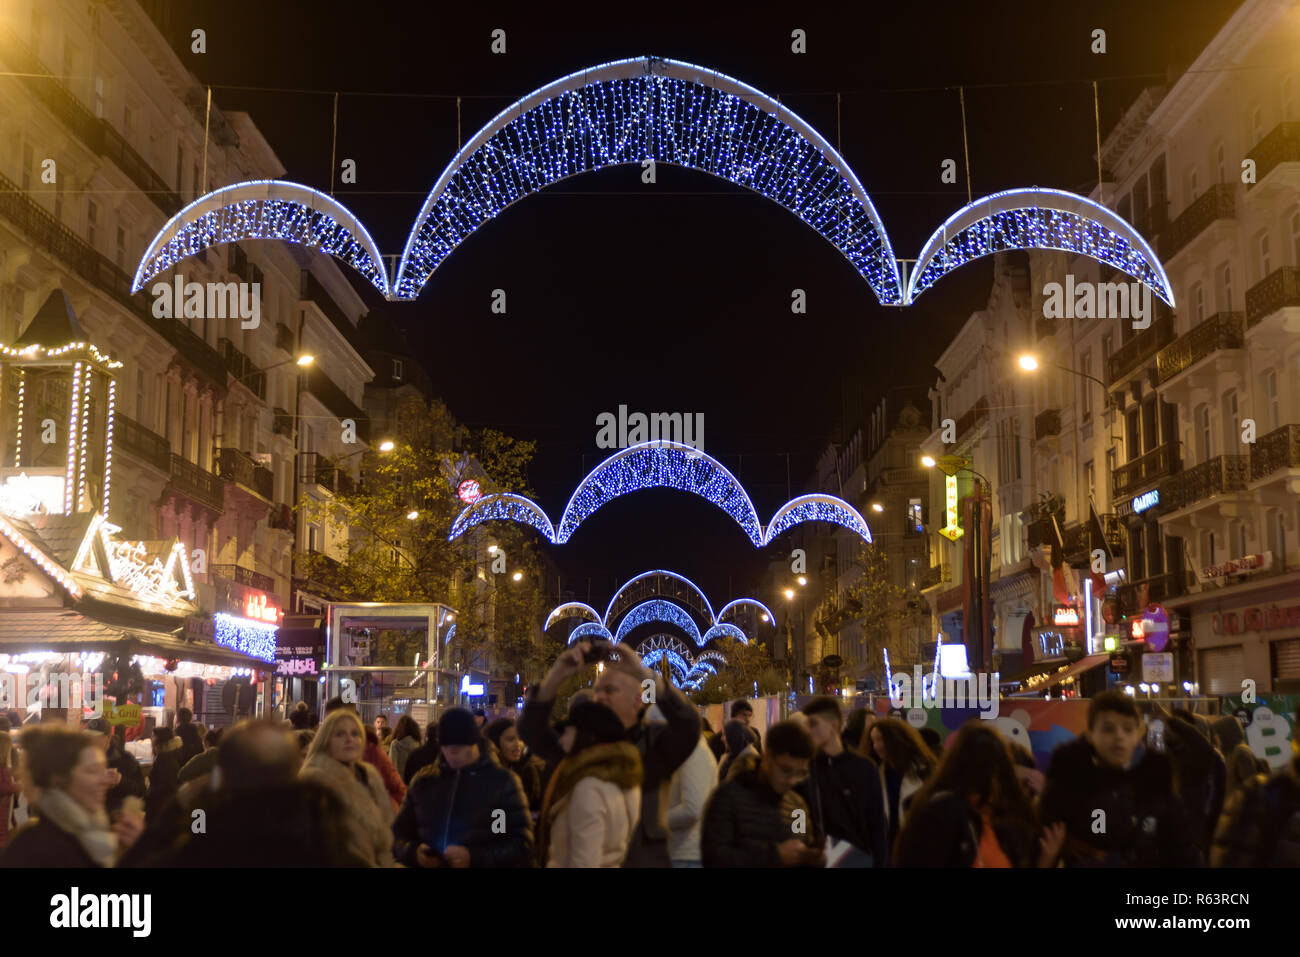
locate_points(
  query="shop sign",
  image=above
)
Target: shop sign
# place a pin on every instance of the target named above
(1146, 500)
(197, 626)
(1250, 563)
(1271, 618)
(1158, 668)
(127, 714)
(295, 667)
(951, 531)
(256, 608)
(1065, 616)
(1119, 664)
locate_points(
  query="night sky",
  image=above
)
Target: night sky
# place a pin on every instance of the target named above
(676, 297)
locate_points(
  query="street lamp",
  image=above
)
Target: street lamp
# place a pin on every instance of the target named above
(518, 576)
(802, 581)
(877, 507)
(1029, 363)
(789, 594)
(412, 515)
(928, 461)
(386, 445)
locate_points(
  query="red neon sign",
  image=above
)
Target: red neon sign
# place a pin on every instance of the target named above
(256, 608)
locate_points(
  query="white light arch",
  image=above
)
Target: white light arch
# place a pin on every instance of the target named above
(503, 506)
(817, 507)
(658, 611)
(610, 613)
(571, 609)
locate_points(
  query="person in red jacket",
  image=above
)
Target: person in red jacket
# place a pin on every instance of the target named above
(392, 780)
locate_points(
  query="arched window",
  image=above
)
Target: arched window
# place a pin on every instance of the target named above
(1275, 524)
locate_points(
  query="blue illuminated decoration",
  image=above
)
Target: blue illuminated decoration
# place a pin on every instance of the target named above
(628, 111)
(451, 633)
(1037, 218)
(817, 507)
(571, 609)
(1146, 500)
(253, 638)
(589, 629)
(655, 588)
(504, 506)
(264, 209)
(771, 618)
(658, 611)
(724, 631)
(711, 655)
(660, 465)
(678, 664)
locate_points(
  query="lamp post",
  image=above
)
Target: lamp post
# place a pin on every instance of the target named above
(977, 549)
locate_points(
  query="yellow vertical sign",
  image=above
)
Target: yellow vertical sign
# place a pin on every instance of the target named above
(952, 530)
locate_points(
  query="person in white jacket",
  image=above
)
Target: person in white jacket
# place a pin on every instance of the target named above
(593, 803)
(689, 792)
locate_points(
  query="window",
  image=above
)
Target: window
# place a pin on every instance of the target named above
(1107, 347)
(915, 518)
(1112, 460)
(1231, 423)
(1271, 406)
(1276, 524)
(1223, 293)
(1207, 547)
(92, 220)
(1086, 369)
(1256, 125)
(1218, 164)
(121, 248)
(139, 395)
(1263, 265)
(397, 370)
(1204, 444)
(314, 538)
(1237, 539)
(1090, 479)
(1198, 302)
(29, 161)
(180, 167)
(1009, 450)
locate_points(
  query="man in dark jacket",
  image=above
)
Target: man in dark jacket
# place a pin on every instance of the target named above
(1260, 826)
(1116, 798)
(189, 734)
(465, 810)
(843, 790)
(756, 819)
(742, 711)
(627, 688)
(424, 755)
(130, 778)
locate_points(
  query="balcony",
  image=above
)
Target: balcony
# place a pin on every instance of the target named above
(1078, 539)
(1280, 289)
(318, 470)
(282, 424)
(234, 466)
(973, 416)
(1157, 588)
(281, 518)
(934, 575)
(1223, 330)
(242, 368)
(1156, 464)
(95, 132)
(1280, 148)
(1047, 423)
(1215, 204)
(1279, 449)
(196, 484)
(1223, 473)
(1141, 347)
(336, 400)
(146, 445)
(243, 576)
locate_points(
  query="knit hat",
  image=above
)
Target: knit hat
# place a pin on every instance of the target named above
(596, 721)
(457, 726)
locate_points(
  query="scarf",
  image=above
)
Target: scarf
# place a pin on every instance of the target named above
(619, 762)
(92, 831)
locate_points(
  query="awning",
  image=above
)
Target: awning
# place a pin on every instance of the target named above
(1076, 669)
(65, 631)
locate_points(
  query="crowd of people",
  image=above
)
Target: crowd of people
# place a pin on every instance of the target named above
(630, 776)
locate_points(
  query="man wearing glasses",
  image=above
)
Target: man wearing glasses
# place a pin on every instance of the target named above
(755, 818)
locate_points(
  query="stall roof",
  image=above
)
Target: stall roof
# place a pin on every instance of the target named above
(70, 631)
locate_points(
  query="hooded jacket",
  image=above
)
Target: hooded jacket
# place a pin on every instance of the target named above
(745, 819)
(370, 813)
(593, 808)
(445, 807)
(1146, 825)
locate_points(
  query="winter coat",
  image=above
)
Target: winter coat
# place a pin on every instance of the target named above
(529, 771)
(370, 813)
(375, 756)
(689, 792)
(664, 747)
(594, 807)
(910, 783)
(420, 758)
(728, 762)
(8, 796)
(399, 752)
(446, 807)
(63, 834)
(745, 820)
(1200, 777)
(847, 802)
(718, 744)
(1146, 824)
(133, 780)
(191, 741)
(164, 778)
(1260, 826)
(946, 832)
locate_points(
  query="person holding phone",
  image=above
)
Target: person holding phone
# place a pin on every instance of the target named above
(628, 689)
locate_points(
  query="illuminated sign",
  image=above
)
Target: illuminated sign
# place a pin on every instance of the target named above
(255, 607)
(469, 491)
(1065, 615)
(151, 581)
(472, 690)
(1136, 632)
(1255, 619)
(25, 494)
(1155, 626)
(253, 638)
(951, 531)
(293, 667)
(1235, 567)
(1146, 500)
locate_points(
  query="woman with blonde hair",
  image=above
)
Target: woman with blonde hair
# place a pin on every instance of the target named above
(334, 760)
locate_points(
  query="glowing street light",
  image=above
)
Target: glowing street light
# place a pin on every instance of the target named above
(412, 515)
(492, 549)
(802, 580)
(1028, 362)
(306, 359)
(789, 594)
(386, 445)
(877, 507)
(927, 461)
(518, 576)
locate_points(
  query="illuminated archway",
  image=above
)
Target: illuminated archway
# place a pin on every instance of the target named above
(589, 629)
(571, 609)
(264, 209)
(504, 506)
(658, 584)
(658, 611)
(817, 507)
(647, 108)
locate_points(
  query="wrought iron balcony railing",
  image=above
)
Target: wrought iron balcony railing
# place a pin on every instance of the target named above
(319, 470)
(1223, 330)
(1279, 449)
(1281, 145)
(197, 484)
(1078, 539)
(1278, 290)
(1217, 202)
(1140, 348)
(1223, 473)
(242, 368)
(234, 466)
(244, 576)
(1157, 463)
(1046, 423)
(145, 444)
